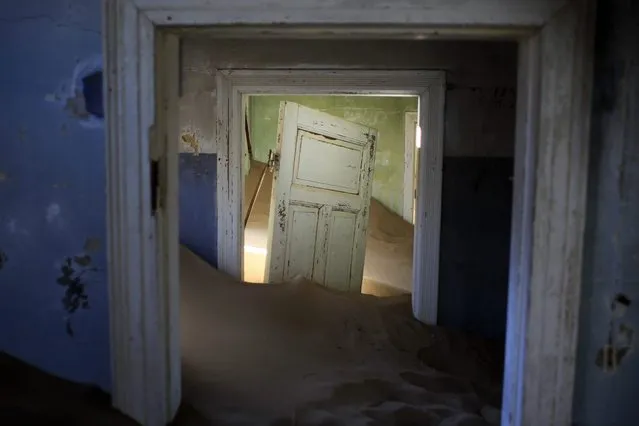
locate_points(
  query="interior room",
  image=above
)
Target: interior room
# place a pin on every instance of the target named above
(389, 243)
(123, 200)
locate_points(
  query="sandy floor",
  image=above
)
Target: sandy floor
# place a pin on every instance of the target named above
(389, 246)
(291, 354)
(299, 354)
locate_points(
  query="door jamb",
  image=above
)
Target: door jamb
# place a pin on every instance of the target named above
(429, 86)
(409, 202)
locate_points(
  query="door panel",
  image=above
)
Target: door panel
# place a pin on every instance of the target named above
(301, 249)
(320, 198)
(339, 249)
(327, 163)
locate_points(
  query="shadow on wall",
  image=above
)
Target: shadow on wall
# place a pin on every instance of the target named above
(475, 244)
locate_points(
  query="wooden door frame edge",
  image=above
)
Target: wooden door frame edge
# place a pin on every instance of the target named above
(428, 85)
(409, 167)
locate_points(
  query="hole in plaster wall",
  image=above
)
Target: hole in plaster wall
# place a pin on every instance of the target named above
(82, 95)
(92, 91)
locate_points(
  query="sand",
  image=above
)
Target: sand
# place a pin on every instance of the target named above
(299, 354)
(389, 247)
(290, 354)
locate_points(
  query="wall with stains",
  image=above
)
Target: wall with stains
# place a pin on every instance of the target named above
(53, 288)
(198, 166)
(198, 230)
(481, 81)
(607, 360)
(386, 114)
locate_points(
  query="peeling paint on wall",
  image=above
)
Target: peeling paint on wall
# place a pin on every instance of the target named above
(620, 337)
(40, 150)
(192, 143)
(281, 214)
(73, 278)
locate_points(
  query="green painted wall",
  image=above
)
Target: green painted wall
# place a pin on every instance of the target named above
(386, 114)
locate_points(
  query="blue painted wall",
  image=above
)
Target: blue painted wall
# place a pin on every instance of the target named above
(611, 257)
(52, 191)
(475, 244)
(52, 204)
(198, 220)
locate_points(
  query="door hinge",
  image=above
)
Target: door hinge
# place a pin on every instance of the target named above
(273, 160)
(155, 186)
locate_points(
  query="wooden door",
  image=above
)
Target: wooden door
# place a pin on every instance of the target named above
(320, 199)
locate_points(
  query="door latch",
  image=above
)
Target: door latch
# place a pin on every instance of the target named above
(273, 163)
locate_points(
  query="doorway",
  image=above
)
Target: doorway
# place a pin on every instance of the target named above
(388, 239)
(412, 143)
(427, 86)
(555, 48)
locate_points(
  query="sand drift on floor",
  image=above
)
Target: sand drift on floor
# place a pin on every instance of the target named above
(299, 354)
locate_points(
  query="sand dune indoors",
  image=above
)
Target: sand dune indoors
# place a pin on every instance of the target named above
(290, 355)
(298, 354)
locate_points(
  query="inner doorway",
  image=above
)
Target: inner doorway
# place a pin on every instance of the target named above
(385, 237)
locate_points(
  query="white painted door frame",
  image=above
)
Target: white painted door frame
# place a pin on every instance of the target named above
(553, 120)
(233, 85)
(410, 138)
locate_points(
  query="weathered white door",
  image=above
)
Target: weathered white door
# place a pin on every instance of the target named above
(320, 199)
